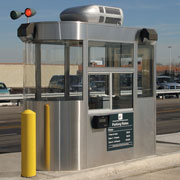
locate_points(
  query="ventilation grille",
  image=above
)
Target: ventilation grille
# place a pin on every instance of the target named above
(111, 20)
(112, 11)
(101, 9)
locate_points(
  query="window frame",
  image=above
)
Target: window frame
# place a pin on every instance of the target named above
(111, 92)
(114, 44)
(110, 88)
(110, 71)
(37, 62)
(132, 85)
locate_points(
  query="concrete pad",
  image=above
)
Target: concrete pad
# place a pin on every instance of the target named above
(171, 138)
(166, 148)
(168, 174)
(10, 162)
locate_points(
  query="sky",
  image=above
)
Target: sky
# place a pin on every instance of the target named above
(162, 15)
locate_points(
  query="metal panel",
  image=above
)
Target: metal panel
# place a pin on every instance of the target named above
(73, 30)
(67, 131)
(145, 128)
(56, 31)
(98, 32)
(97, 153)
(47, 31)
(111, 33)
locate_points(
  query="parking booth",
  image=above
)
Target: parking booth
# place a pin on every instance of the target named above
(98, 80)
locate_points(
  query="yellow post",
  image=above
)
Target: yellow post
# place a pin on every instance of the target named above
(28, 143)
(47, 137)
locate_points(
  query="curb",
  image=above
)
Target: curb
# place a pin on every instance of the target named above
(126, 169)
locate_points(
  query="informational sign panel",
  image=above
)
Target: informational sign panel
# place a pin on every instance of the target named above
(120, 131)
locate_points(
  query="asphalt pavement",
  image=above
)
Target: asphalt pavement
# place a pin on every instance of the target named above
(164, 165)
(168, 113)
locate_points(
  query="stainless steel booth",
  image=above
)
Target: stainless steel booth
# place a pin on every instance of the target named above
(98, 79)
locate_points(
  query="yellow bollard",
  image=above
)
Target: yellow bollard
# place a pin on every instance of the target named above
(28, 143)
(47, 136)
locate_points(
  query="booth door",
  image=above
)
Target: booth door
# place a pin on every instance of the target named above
(145, 101)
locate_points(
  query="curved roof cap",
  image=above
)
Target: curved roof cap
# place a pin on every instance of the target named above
(93, 14)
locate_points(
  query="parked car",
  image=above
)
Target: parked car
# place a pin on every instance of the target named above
(4, 89)
(97, 86)
(75, 83)
(177, 79)
(166, 82)
(57, 83)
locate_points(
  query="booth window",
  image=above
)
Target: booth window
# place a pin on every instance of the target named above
(145, 70)
(54, 71)
(106, 54)
(65, 61)
(122, 91)
(29, 82)
(75, 71)
(99, 92)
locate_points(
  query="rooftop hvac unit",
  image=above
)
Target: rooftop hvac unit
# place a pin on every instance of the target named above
(93, 14)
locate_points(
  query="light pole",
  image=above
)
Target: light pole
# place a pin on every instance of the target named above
(170, 58)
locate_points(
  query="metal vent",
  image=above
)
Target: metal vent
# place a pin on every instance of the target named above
(101, 9)
(112, 11)
(111, 20)
(101, 19)
(93, 14)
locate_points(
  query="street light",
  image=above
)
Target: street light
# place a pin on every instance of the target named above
(170, 58)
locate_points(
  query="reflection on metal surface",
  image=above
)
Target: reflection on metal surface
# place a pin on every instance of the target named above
(93, 14)
(110, 54)
(67, 130)
(47, 137)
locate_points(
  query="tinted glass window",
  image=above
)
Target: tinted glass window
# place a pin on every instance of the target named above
(145, 70)
(102, 54)
(122, 91)
(2, 86)
(54, 71)
(29, 81)
(76, 70)
(99, 92)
